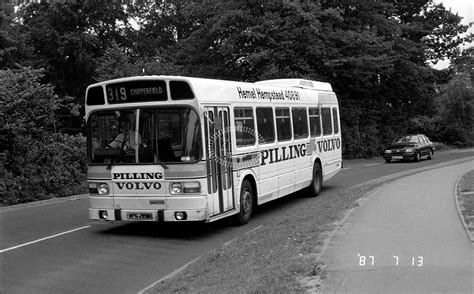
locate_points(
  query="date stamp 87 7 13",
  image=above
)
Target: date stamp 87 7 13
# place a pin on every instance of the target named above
(370, 260)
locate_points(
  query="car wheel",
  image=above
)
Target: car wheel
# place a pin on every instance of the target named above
(388, 160)
(430, 155)
(246, 203)
(317, 182)
(417, 156)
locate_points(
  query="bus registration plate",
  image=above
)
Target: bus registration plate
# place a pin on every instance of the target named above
(140, 215)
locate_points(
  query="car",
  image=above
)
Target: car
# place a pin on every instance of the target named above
(409, 147)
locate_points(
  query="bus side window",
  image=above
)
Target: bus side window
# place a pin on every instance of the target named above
(300, 123)
(283, 124)
(244, 126)
(327, 121)
(265, 126)
(335, 120)
(314, 122)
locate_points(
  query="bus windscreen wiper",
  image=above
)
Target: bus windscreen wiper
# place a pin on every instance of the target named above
(161, 162)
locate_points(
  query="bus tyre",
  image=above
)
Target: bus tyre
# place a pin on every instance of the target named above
(317, 182)
(246, 203)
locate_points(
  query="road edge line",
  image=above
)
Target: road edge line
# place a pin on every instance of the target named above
(458, 208)
(39, 203)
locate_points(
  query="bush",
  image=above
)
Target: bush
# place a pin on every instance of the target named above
(456, 113)
(40, 164)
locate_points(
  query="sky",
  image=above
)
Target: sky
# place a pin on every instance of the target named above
(464, 8)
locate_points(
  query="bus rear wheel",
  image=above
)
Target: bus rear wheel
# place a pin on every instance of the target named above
(317, 182)
(246, 203)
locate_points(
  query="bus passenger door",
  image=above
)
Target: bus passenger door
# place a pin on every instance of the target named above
(218, 160)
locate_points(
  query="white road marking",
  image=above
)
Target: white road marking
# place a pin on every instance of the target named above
(42, 239)
(346, 168)
(372, 164)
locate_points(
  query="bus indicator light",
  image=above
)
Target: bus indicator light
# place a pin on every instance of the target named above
(191, 187)
(93, 188)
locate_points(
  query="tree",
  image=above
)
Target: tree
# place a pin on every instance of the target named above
(40, 163)
(13, 48)
(116, 63)
(374, 54)
(378, 60)
(434, 32)
(456, 102)
(8, 43)
(245, 41)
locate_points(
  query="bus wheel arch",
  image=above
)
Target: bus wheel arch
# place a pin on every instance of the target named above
(247, 200)
(317, 179)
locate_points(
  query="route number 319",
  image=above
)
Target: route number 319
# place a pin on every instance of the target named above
(116, 94)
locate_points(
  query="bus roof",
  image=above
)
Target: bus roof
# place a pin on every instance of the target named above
(297, 83)
(292, 91)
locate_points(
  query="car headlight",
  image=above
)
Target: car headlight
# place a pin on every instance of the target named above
(388, 151)
(410, 150)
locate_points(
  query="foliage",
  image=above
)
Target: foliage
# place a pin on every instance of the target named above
(116, 63)
(374, 54)
(453, 121)
(457, 113)
(40, 163)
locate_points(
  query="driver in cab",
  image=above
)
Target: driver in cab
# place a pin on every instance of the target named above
(126, 139)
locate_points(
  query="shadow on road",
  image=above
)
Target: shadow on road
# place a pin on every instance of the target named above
(182, 231)
(201, 230)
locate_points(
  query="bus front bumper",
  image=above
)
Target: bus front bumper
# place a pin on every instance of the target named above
(161, 215)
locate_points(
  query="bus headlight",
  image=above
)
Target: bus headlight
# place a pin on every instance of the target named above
(185, 188)
(103, 189)
(176, 188)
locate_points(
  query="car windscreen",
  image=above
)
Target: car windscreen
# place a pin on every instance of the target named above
(406, 140)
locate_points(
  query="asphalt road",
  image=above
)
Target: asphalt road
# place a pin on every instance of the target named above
(52, 247)
(407, 237)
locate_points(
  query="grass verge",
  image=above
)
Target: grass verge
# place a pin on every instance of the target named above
(281, 256)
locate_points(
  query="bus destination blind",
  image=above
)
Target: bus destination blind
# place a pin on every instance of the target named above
(136, 91)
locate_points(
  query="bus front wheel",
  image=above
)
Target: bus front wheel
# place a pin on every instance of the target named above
(246, 203)
(317, 182)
